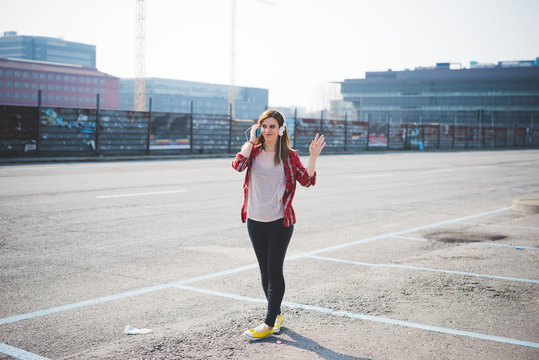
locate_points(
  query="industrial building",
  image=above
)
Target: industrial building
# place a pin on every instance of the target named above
(42, 48)
(61, 85)
(176, 96)
(505, 94)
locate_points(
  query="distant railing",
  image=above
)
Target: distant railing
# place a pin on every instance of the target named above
(49, 131)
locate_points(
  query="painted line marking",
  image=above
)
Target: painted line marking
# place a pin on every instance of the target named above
(410, 238)
(19, 353)
(502, 226)
(54, 310)
(438, 171)
(360, 316)
(474, 243)
(412, 267)
(373, 176)
(139, 194)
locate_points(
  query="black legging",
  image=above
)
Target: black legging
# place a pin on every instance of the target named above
(270, 241)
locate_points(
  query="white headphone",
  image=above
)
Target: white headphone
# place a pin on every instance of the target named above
(282, 128)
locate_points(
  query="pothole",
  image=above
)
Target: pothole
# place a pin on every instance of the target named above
(463, 237)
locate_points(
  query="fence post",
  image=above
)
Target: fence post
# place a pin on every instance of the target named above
(192, 140)
(466, 137)
(388, 130)
(453, 133)
(97, 125)
(439, 133)
(295, 125)
(368, 131)
(38, 141)
(230, 130)
(423, 135)
(149, 128)
(321, 121)
(345, 131)
(406, 146)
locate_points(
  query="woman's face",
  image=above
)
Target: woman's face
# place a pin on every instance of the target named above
(270, 129)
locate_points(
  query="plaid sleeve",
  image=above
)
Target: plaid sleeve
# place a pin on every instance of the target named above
(301, 173)
(240, 163)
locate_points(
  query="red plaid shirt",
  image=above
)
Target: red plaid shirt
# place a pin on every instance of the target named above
(294, 171)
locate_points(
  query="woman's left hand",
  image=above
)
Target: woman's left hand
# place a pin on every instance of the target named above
(317, 145)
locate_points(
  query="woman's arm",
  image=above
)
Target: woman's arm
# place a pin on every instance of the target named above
(315, 149)
(241, 162)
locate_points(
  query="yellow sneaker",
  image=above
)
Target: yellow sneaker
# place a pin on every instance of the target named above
(278, 323)
(258, 333)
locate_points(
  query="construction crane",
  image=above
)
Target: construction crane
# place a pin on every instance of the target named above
(232, 84)
(140, 57)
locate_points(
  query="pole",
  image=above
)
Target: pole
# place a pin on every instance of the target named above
(149, 128)
(192, 140)
(38, 140)
(97, 125)
(230, 130)
(321, 121)
(368, 130)
(295, 125)
(388, 130)
(345, 131)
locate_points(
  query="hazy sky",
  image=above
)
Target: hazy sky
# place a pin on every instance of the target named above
(291, 47)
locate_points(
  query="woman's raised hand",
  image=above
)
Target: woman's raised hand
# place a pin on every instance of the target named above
(317, 145)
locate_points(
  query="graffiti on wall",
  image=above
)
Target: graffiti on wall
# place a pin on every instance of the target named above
(51, 117)
(170, 131)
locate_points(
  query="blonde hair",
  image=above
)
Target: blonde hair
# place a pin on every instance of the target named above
(284, 141)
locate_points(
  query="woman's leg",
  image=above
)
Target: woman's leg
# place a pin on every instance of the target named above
(259, 234)
(278, 240)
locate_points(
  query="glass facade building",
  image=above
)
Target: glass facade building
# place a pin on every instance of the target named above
(504, 94)
(46, 49)
(176, 96)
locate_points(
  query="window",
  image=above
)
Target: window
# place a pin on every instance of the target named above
(42, 86)
(58, 87)
(74, 98)
(96, 81)
(34, 97)
(66, 98)
(1, 94)
(58, 98)
(51, 97)
(66, 88)
(25, 96)
(26, 85)
(73, 89)
(58, 77)
(88, 90)
(51, 77)
(8, 83)
(25, 75)
(81, 99)
(34, 86)
(73, 79)
(8, 73)
(17, 74)
(17, 84)
(8, 95)
(88, 80)
(88, 100)
(102, 81)
(42, 76)
(81, 79)
(34, 75)
(50, 87)
(66, 77)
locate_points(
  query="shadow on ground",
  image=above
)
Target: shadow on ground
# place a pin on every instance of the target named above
(304, 343)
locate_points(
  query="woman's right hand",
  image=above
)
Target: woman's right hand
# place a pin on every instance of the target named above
(253, 132)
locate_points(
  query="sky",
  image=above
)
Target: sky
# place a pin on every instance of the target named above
(297, 49)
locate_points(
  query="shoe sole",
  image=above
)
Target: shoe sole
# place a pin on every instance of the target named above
(256, 339)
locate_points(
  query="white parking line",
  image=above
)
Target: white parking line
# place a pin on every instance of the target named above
(19, 353)
(360, 316)
(139, 194)
(412, 267)
(80, 304)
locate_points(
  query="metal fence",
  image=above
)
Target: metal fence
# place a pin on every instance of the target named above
(46, 131)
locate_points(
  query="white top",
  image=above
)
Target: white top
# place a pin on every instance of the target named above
(266, 189)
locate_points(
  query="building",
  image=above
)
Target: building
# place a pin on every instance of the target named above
(61, 85)
(46, 49)
(176, 96)
(502, 94)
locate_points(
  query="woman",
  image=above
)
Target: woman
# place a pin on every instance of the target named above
(270, 183)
